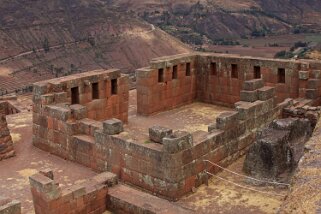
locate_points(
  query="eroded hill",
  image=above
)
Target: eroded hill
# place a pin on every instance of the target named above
(44, 39)
(195, 21)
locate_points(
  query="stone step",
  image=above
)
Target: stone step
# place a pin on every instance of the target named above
(124, 199)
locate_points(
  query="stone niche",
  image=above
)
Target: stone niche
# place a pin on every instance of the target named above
(278, 149)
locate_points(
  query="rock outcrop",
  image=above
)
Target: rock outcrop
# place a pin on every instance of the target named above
(278, 148)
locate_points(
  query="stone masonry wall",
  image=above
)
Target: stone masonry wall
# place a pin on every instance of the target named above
(218, 79)
(6, 144)
(56, 119)
(171, 168)
(158, 92)
(88, 197)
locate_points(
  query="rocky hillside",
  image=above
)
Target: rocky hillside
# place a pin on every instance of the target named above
(198, 21)
(42, 39)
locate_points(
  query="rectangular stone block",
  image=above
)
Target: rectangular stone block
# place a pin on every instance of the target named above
(246, 111)
(303, 75)
(249, 96)
(252, 85)
(178, 141)
(45, 185)
(313, 83)
(78, 111)
(311, 93)
(266, 93)
(157, 133)
(58, 112)
(61, 97)
(113, 126)
(226, 120)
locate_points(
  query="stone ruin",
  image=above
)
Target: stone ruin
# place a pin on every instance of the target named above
(6, 144)
(84, 118)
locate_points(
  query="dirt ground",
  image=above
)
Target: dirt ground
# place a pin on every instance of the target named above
(223, 197)
(191, 118)
(14, 172)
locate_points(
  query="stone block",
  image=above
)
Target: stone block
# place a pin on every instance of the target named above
(311, 93)
(313, 83)
(78, 111)
(212, 127)
(45, 185)
(157, 133)
(178, 141)
(61, 97)
(266, 93)
(47, 99)
(40, 88)
(303, 75)
(58, 112)
(227, 120)
(249, 96)
(8, 206)
(246, 111)
(113, 126)
(252, 85)
(316, 74)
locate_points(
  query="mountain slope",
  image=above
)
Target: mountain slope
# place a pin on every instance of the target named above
(40, 40)
(192, 20)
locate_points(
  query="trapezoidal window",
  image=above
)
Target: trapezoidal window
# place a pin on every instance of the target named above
(75, 95)
(188, 69)
(213, 69)
(234, 72)
(257, 72)
(174, 74)
(95, 90)
(161, 75)
(281, 75)
(114, 86)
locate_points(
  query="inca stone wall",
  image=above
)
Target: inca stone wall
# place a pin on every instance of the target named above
(218, 79)
(6, 144)
(89, 197)
(66, 106)
(88, 128)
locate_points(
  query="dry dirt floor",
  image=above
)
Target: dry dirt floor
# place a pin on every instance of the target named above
(191, 118)
(223, 197)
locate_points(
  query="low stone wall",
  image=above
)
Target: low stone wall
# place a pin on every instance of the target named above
(89, 197)
(8, 206)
